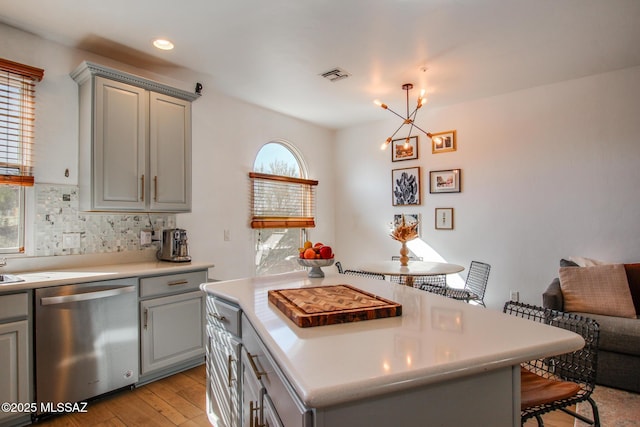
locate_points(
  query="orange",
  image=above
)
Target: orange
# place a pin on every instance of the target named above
(309, 253)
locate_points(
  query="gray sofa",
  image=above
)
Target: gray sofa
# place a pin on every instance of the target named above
(619, 350)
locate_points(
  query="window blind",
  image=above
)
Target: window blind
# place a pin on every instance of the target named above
(282, 201)
(17, 117)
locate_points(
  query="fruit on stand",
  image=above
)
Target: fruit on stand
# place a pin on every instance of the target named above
(326, 252)
(309, 254)
(317, 251)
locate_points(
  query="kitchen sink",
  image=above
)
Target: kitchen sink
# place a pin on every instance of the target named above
(5, 279)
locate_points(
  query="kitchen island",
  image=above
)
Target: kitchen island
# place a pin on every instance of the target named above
(441, 362)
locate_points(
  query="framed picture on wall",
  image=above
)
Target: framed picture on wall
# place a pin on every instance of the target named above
(404, 149)
(443, 142)
(445, 181)
(444, 218)
(405, 186)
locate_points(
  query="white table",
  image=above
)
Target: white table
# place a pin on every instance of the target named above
(414, 268)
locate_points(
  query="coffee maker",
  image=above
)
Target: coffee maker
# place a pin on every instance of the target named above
(174, 245)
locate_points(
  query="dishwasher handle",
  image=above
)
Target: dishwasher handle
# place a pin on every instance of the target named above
(85, 296)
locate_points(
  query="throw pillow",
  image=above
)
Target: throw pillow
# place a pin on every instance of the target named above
(567, 263)
(601, 289)
(586, 262)
(633, 277)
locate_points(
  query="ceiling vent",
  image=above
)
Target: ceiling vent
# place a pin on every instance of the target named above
(335, 74)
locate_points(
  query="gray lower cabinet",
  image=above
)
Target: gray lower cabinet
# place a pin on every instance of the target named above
(172, 323)
(15, 356)
(223, 363)
(244, 385)
(271, 418)
(278, 403)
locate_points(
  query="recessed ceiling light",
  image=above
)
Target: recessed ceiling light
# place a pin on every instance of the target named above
(163, 44)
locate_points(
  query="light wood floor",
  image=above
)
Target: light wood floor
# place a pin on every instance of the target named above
(178, 400)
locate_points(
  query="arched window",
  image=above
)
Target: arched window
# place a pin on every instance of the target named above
(282, 207)
(279, 158)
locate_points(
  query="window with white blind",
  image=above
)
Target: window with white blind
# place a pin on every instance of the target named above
(282, 201)
(17, 118)
(282, 207)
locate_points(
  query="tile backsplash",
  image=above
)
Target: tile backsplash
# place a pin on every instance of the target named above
(59, 225)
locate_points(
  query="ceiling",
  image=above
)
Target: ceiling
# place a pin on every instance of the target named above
(271, 53)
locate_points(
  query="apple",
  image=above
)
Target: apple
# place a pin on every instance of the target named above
(326, 252)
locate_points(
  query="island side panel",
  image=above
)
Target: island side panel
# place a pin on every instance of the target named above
(485, 399)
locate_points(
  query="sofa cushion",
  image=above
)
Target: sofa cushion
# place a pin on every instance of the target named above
(633, 277)
(618, 334)
(601, 289)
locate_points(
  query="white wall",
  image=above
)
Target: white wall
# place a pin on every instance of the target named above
(547, 173)
(227, 135)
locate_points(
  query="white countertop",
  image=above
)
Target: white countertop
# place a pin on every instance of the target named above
(435, 339)
(54, 277)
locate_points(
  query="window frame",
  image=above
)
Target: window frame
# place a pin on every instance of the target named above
(17, 129)
(277, 224)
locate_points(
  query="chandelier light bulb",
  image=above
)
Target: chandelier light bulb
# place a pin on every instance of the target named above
(380, 104)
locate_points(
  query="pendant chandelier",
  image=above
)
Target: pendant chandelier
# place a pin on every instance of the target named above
(409, 119)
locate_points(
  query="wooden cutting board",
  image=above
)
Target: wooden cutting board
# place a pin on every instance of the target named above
(328, 305)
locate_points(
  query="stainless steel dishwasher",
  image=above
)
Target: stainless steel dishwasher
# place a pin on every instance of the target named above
(86, 340)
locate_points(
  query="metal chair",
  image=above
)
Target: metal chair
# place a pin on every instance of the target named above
(558, 382)
(368, 274)
(475, 285)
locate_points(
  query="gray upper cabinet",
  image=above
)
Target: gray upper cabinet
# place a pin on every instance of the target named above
(135, 143)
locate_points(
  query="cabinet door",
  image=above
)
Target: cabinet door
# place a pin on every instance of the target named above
(119, 150)
(223, 353)
(252, 411)
(170, 153)
(271, 418)
(14, 365)
(172, 330)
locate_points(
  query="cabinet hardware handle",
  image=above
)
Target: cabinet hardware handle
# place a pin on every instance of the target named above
(218, 317)
(146, 317)
(155, 188)
(259, 374)
(254, 421)
(142, 185)
(229, 361)
(178, 282)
